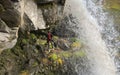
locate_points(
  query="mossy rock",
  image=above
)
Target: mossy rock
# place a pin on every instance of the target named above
(68, 54)
(59, 61)
(25, 41)
(74, 39)
(41, 42)
(35, 64)
(24, 73)
(80, 53)
(112, 4)
(75, 43)
(55, 38)
(45, 61)
(53, 56)
(51, 73)
(33, 36)
(65, 54)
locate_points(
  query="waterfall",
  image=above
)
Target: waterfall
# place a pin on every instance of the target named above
(107, 29)
(89, 32)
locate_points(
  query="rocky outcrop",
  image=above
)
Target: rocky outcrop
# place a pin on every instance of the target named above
(11, 18)
(9, 24)
(28, 15)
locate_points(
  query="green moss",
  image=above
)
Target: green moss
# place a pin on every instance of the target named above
(65, 54)
(33, 36)
(80, 53)
(75, 43)
(41, 42)
(112, 4)
(25, 72)
(35, 64)
(55, 38)
(53, 56)
(51, 73)
(25, 41)
(74, 39)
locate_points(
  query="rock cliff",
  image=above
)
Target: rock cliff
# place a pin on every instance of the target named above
(26, 15)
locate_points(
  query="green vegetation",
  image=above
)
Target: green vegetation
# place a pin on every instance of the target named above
(75, 43)
(41, 42)
(80, 53)
(113, 8)
(112, 4)
(53, 56)
(25, 73)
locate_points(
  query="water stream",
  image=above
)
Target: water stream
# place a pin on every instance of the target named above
(107, 28)
(91, 33)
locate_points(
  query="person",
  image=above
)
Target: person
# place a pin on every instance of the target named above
(49, 39)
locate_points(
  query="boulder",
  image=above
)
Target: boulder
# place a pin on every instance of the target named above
(11, 18)
(3, 27)
(63, 44)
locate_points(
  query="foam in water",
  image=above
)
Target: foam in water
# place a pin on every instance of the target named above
(106, 24)
(97, 53)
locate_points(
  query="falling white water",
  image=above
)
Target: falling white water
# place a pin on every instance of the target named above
(107, 29)
(97, 52)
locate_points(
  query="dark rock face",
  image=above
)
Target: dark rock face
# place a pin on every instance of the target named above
(52, 10)
(11, 18)
(10, 21)
(64, 27)
(50, 1)
(9, 24)
(27, 54)
(15, 0)
(3, 27)
(7, 4)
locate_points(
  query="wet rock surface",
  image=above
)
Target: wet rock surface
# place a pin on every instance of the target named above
(25, 49)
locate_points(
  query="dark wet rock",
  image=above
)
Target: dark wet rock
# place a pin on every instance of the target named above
(28, 25)
(11, 18)
(3, 27)
(27, 56)
(7, 4)
(50, 8)
(1, 8)
(50, 1)
(15, 0)
(44, 1)
(65, 28)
